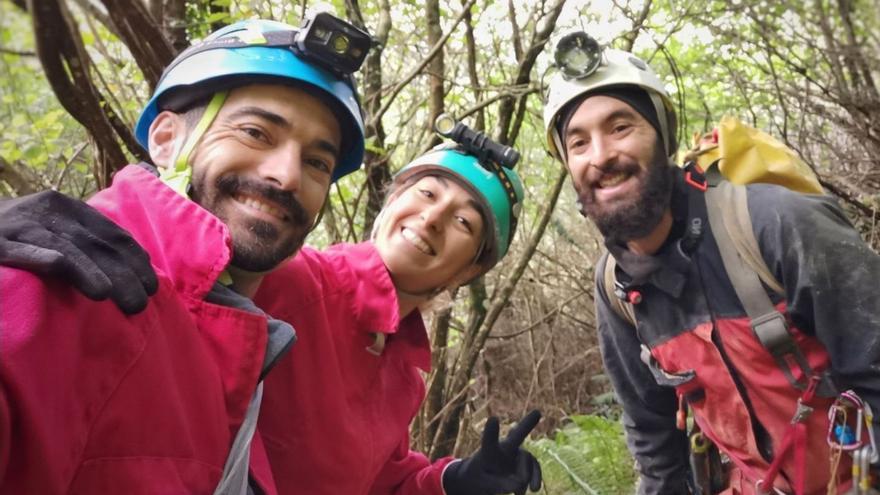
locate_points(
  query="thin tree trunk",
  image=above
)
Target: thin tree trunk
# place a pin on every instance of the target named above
(481, 324)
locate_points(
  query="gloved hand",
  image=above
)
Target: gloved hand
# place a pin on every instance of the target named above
(498, 467)
(48, 233)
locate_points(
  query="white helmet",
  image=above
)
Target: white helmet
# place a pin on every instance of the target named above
(609, 68)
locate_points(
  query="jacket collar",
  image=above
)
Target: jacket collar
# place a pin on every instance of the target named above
(411, 342)
(185, 242)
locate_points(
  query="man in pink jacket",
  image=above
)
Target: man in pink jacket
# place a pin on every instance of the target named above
(250, 129)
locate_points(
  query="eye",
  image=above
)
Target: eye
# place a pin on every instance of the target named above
(427, 193)
(621, 127)
(577, 144)
(254, 133)
(320, 164)
(465, 223)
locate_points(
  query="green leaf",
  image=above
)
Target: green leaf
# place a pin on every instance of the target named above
(217, 17)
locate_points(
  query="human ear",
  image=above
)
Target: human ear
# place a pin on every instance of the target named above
(166, 135)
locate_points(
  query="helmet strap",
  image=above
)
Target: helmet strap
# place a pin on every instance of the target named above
(179, 175)
(560, 147)
(663, 117)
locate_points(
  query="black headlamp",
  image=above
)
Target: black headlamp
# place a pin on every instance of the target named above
(578, 55)
(476, 143)
(332, 43)
(323, 39)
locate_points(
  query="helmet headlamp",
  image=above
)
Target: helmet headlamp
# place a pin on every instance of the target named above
(494, 157)
(476, 143)
(323, 39)
(578, 55)
(332, 43)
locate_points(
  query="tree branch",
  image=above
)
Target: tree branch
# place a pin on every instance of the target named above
(420, 67)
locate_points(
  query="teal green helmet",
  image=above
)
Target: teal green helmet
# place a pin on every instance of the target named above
(500, 196)
(245, 53)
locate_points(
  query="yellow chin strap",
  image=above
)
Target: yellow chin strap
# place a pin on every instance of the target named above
(179, 176)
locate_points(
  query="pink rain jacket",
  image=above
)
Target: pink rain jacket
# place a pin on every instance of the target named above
(93, 401)
(335, 417)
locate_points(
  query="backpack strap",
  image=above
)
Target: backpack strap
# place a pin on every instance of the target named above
(738, 224)
(623, 308)
(727, 207)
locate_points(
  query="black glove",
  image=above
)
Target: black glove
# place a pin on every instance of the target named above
(48, 233)
(498, 467)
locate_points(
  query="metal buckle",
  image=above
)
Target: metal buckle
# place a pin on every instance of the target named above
(802, 412)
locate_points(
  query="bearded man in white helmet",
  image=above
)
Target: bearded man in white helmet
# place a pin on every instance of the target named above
(690, 345)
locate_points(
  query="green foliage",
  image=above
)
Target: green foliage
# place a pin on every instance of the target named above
(586, 456)
(36, 134)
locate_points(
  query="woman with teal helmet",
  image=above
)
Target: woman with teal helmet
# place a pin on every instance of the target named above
(337, 409)
(495, 196)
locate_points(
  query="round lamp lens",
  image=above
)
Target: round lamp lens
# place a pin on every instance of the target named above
(340, 43)
(578, 55)
(444, 124)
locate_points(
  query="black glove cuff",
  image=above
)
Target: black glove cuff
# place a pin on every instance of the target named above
(451, 477)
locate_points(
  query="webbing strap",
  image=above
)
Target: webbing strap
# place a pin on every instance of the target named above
(768, 324)
(795, 438)
(235, 473)
(737, 216)
(179, 174)
(623, 309)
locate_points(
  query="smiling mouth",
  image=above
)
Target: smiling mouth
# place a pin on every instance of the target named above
(258, 205)
(611, 180)
(417, 241)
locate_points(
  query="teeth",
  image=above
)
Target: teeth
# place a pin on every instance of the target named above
(612, 180)
(417, 241)
(259, 205)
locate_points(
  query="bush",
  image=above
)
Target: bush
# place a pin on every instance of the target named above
(588, 455)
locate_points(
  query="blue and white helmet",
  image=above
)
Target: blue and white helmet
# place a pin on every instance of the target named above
(249, 58)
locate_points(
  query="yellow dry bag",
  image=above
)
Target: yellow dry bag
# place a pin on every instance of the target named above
(745, 155)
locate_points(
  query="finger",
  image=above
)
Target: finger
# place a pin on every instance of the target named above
(522, 429)
(98, 230)
(60, 258)
(28, 257)
(138, 261)
(537, 477)
(127, 287)
(130, 300)
(490, 434)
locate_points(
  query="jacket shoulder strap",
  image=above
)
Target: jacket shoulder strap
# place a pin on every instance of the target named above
(622, 308)
(739, 225)
(727, 208)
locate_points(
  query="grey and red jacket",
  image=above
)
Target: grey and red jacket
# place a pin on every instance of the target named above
(702, 349)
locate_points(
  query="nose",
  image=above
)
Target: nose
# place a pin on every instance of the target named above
(602, 154)
(598, 158)
(284, 168)
(433, 216)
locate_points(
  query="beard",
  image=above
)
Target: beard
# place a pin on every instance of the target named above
(257, 245)
(633, 217)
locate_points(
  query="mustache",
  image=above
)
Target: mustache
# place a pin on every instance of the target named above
(285, 200)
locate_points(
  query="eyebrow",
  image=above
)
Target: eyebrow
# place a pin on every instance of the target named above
(471, 201)
(263, 114)
(283, 123)
(617, 114)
